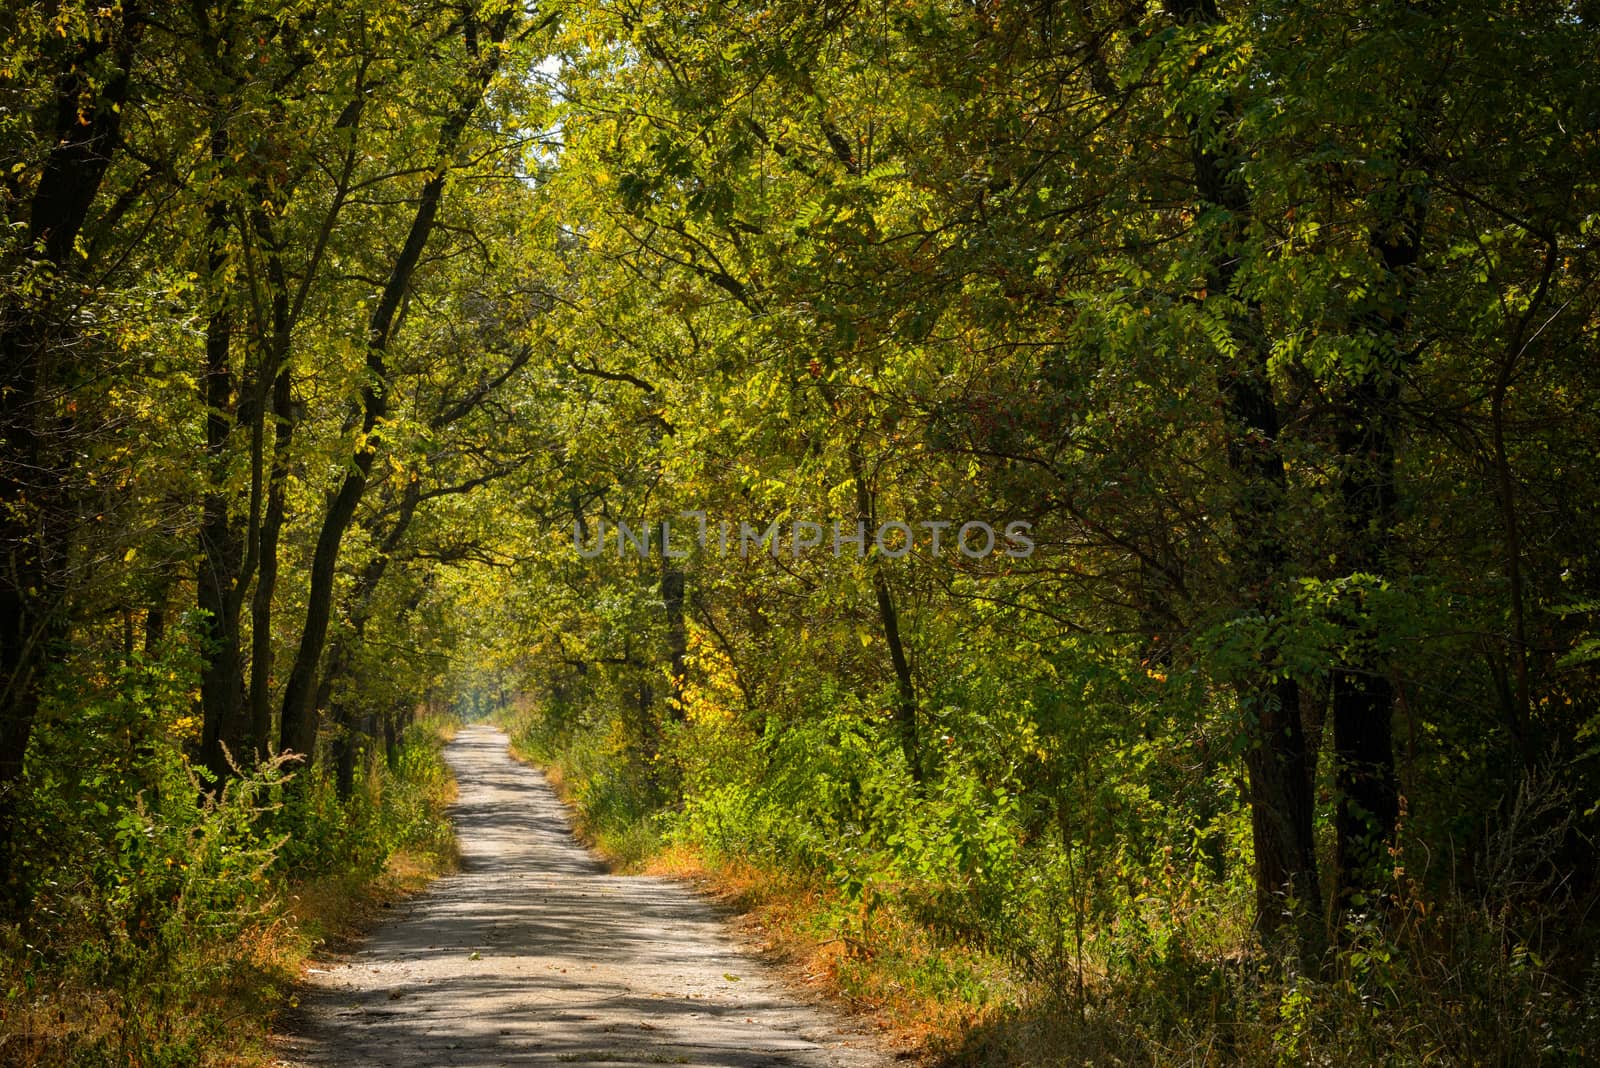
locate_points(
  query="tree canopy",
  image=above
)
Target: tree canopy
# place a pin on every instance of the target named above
(651, 375)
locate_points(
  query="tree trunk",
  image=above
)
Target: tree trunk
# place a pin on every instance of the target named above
(346, 744)
(1363, 698)
(1281, 799)
(155, 624)
(672, 592)
(1516, 701)
(298, 728)
(391, 739)
(84, 117)
(905, 704)
(1277, 760)
(360, 611)
(221, 547)
(283, 422)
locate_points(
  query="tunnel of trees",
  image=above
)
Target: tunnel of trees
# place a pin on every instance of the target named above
(353, 357)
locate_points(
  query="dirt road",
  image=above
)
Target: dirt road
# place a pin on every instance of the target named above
(533, 955)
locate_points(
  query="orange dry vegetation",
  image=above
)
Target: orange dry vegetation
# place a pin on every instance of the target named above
(781, 917)
(319, 916)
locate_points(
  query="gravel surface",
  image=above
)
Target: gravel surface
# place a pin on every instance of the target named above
(533, 954)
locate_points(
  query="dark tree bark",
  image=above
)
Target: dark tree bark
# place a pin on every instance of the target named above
(232, 549)
(299, 724)
(277, 367)
(155, 623)
(1368, 805)
(391, 739)
(1363, 698)
(91, 82)
(346, 745)
(672, 594)
(221, 543)
(1516, 693)
(1281, 798)
(905, 705)
(1277, 760)
(345, 742)
(284, 417)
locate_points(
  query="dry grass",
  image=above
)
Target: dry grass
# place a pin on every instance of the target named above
(67, 1016)
(330, 914)
(789, 922)
(442, 725)
(213, 1001)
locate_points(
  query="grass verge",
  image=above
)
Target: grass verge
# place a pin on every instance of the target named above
(117, 970)
(923, 997)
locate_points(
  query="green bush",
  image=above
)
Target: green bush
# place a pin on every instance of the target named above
(157, 900)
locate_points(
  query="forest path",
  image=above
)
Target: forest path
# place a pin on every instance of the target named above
(532, 954)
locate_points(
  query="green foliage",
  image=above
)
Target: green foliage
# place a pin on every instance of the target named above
(1226, 302)
(391, 810)
(157, 904)
(1273, 320)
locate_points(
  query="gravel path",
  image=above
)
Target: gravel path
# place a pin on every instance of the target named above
(532, 954)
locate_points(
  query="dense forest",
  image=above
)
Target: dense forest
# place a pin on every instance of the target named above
(1088, 513)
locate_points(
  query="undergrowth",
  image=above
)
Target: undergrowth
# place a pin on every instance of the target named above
(985, 932)
(167, 921)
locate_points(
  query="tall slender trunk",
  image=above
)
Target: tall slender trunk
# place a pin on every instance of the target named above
(391, 739)
(344, 712)
(299, 726)
(278, 366)
(672, 594)
(284, 416)
(1277, 760)
(1517, 694)
(905, 705)
(84, 116)
(1281, 799)
(221, 546)
(1368, 805)
(229, 546)
(905, 702)
(346, 744)
(155, 622)
(1368, 802)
